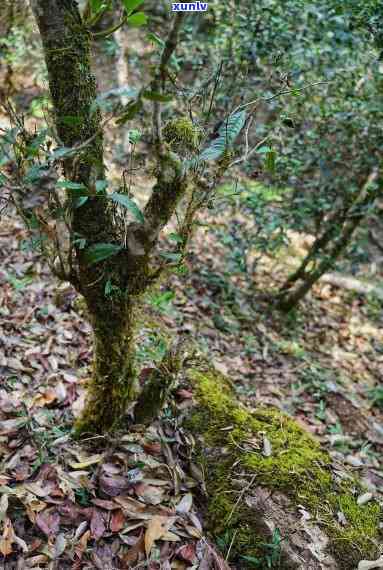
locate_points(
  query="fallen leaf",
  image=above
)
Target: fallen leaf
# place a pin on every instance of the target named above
(97, 524)
(365, 498)
(48, 522)
(154, 448)
(44, 399)
(113, 486)
(187, 552)
(150, 494)
(117, 521)
(105, 504)
(369, 564)
(185, 504)
(134, 553)
(10, 426)
(92, 460)
(7, 539)
(82, 544)
(157, 527)
(267, 449)
(60, 545)
(3, 506)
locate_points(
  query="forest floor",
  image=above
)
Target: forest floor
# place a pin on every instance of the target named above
(78, 505)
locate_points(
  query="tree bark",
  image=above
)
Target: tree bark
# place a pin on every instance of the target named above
(114, 381)
(66, 44)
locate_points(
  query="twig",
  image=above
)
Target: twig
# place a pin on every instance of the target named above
(248, 153)
(218, 77)
(284, 92)
(240, 497)
(231, 544)
(160, 79)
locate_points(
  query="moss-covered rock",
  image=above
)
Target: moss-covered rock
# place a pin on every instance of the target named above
(265, 474)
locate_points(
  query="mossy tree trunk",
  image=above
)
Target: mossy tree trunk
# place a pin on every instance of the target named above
(66, 43)
(114, 380)
(272, 493)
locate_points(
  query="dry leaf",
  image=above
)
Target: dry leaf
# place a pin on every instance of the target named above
(187, 553)
(82, 544)
(157, 527)
(60, 545)
(369, 564)
(3, 506)
(92, 460)
(97, 524)
(185, 504)
(267, 449)
(113, 486)
(9, 426)
(150, 494)
(133, 553)
(7, 539)
(365, 498)
(48, 522)
(117, 521)
(44, 399)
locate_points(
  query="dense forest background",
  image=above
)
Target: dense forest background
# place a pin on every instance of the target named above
(191, 290)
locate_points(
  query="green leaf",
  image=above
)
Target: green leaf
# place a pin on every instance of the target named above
(131, 111)
(176, 237)
(155, 96)
(79, 201)
(125, 201)
(137, 20)
(227, 134)
(252, 560)
(101, 251)
(60, 153)
(215, 150)
(155, 39)
(270, 160)
(70, 120)
(68, 185)
(131, 5)
(134, 136)
(95, 5)
(264, 150)
(176, 257)
(34, 173)
(232, 126)
(106, 101)
(101, 186)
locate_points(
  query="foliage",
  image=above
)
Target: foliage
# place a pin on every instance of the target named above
(323, 141)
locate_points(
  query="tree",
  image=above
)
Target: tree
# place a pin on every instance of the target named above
(318, 172)
(110, 253)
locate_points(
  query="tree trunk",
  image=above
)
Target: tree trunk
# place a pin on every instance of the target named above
(66, 44)
(127, 274)
(114, 382)
(329, 245)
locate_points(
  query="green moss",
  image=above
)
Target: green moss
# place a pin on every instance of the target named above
(114, 381)
(297, 467)
(182, 134)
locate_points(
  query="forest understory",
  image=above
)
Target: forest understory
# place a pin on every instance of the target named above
(275, 424)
